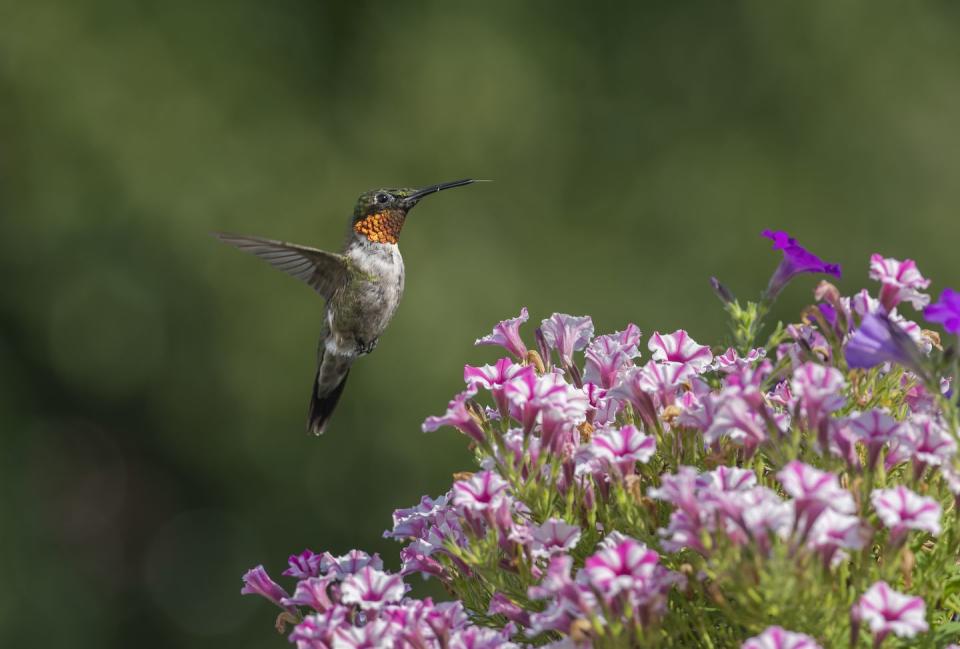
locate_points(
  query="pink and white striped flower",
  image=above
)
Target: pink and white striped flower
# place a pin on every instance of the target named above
(371, 588)
(257, 582)
(886, 611)
(622, 448)
(495, 377)
(567, 334)
(875, 429)
(376, 633)
(618, 567)
(553, 536)
(776, 637)
(679, 347)
(312, 592)
(507, 335)
(607, 355)
(484, 491)
(901, 280)
(834, 532)
(818, 390)
(458, 416)
(814, 491)
(901, 509)
(929, 441)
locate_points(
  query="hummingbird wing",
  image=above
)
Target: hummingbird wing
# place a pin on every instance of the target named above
(324, 271)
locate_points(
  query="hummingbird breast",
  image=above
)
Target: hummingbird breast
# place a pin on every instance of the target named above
(360, 313)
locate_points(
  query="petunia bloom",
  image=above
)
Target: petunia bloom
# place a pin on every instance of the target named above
(481, 492)
(507, 335)
(879, 340)
(796, 260)
(553, 536)
(901, 280)
(567, 334)
(622, 448)
(946, 310)
(875, 429)
(776, 637)
(901, 509)
(257, 582)
(679, 347)
(886, 611)
(458, 416)
(814, 491)
(372, 589)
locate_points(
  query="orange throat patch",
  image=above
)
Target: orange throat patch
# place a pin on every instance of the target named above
(382, 227)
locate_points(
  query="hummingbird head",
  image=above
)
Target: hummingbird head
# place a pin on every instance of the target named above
(380, 213)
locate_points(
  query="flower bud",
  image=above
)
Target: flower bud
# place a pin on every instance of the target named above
(722, 291)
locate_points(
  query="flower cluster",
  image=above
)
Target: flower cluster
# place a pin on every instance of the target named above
(793, 490)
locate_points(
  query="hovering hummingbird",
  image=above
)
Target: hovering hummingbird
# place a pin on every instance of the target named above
(362, 285)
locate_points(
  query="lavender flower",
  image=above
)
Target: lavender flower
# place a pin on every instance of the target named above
(566, 334)
(946, 310)
(507, 335)
(878, 340)
(776, 637)
(796, 260)
(901, 280)
(887, 611)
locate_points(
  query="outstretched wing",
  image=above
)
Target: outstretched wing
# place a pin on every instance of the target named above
(324, 271)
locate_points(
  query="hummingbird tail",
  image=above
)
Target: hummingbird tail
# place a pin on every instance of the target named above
(322, 405)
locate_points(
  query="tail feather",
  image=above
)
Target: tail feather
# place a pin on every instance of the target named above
(322, 405)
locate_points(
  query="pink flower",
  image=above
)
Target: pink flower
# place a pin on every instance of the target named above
(371, 588)
(814, 491)
(728, 478)
(874, 428)
(483, 491)
(507, 335)
(566, 334)
(622, 448)
(679, 347)
(887, 611)
(350, 563)
(458, 416)
(819, 391)
(312, 592)
(777, 638)
(627, 565)
(553, 536)
(568, 600)
(607, 355)
(257, 582)
(529, 395)
(901, 509)
(929, 441)
(900, 281)
(303, 565)
(495, 377)
(730, 360)
(372, 635)
(834, 532)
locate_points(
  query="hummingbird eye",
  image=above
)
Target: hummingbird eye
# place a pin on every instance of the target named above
(383, 198)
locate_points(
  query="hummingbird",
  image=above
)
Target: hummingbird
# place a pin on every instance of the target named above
(362, 285)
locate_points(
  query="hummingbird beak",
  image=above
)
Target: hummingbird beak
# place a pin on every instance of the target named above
(412, 199)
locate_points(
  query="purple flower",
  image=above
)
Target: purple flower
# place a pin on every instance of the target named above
(507, 335)
(900, 281)
(735, 418)
(482, 492)
(878, 340)
(946, 310)
(303, 565)
(760, 512)
(887, 611)
(566, 334)
(371, 589)
(458, 416)
(500, 604)
(554, 535)
(257, 582)
(679, 347)
(796, 260)
(777, 638)
(622, 448)
(901, 509)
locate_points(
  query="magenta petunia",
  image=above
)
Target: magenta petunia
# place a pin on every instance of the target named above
(900, 280)
(946, 310)
(679, 347)
(796, 260)
(312, 592)
(814, 491)
(834, 532)
(607, 355)
(495, 377)
(617, 567)
(566, 334)
(507, 335)
(819, 392)
(372, 635)
(481, 492)
(901, 509)
(875, 429)
(303, 565)
(458, 416)
(256, 581)
(371, 588)
(776, 637)
(621, 448)
(886, 611)
(553, 536)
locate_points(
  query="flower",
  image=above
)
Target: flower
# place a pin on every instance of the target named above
(887, 611)
(796, 260)
(566, 334)
(374, 634)
(350, 563)
(775, 637)
(371, 588)
(303, 565)
(495, 377)
(257, 582)
(312, 592)
(622, 566)
(481, 492)
(874, 428)
(946, 310)
(834, 531)
(507, 335)
(554, 535)
(608, 354)
(819, 390)
(900, 281)
(901, 509)
(622, 448)
(679, 347)
(878, 340)
(458, 416)
(814, 491)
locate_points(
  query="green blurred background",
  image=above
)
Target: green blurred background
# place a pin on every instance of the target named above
(154, 382)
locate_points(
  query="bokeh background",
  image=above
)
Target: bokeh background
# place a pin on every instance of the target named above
(154, 382)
